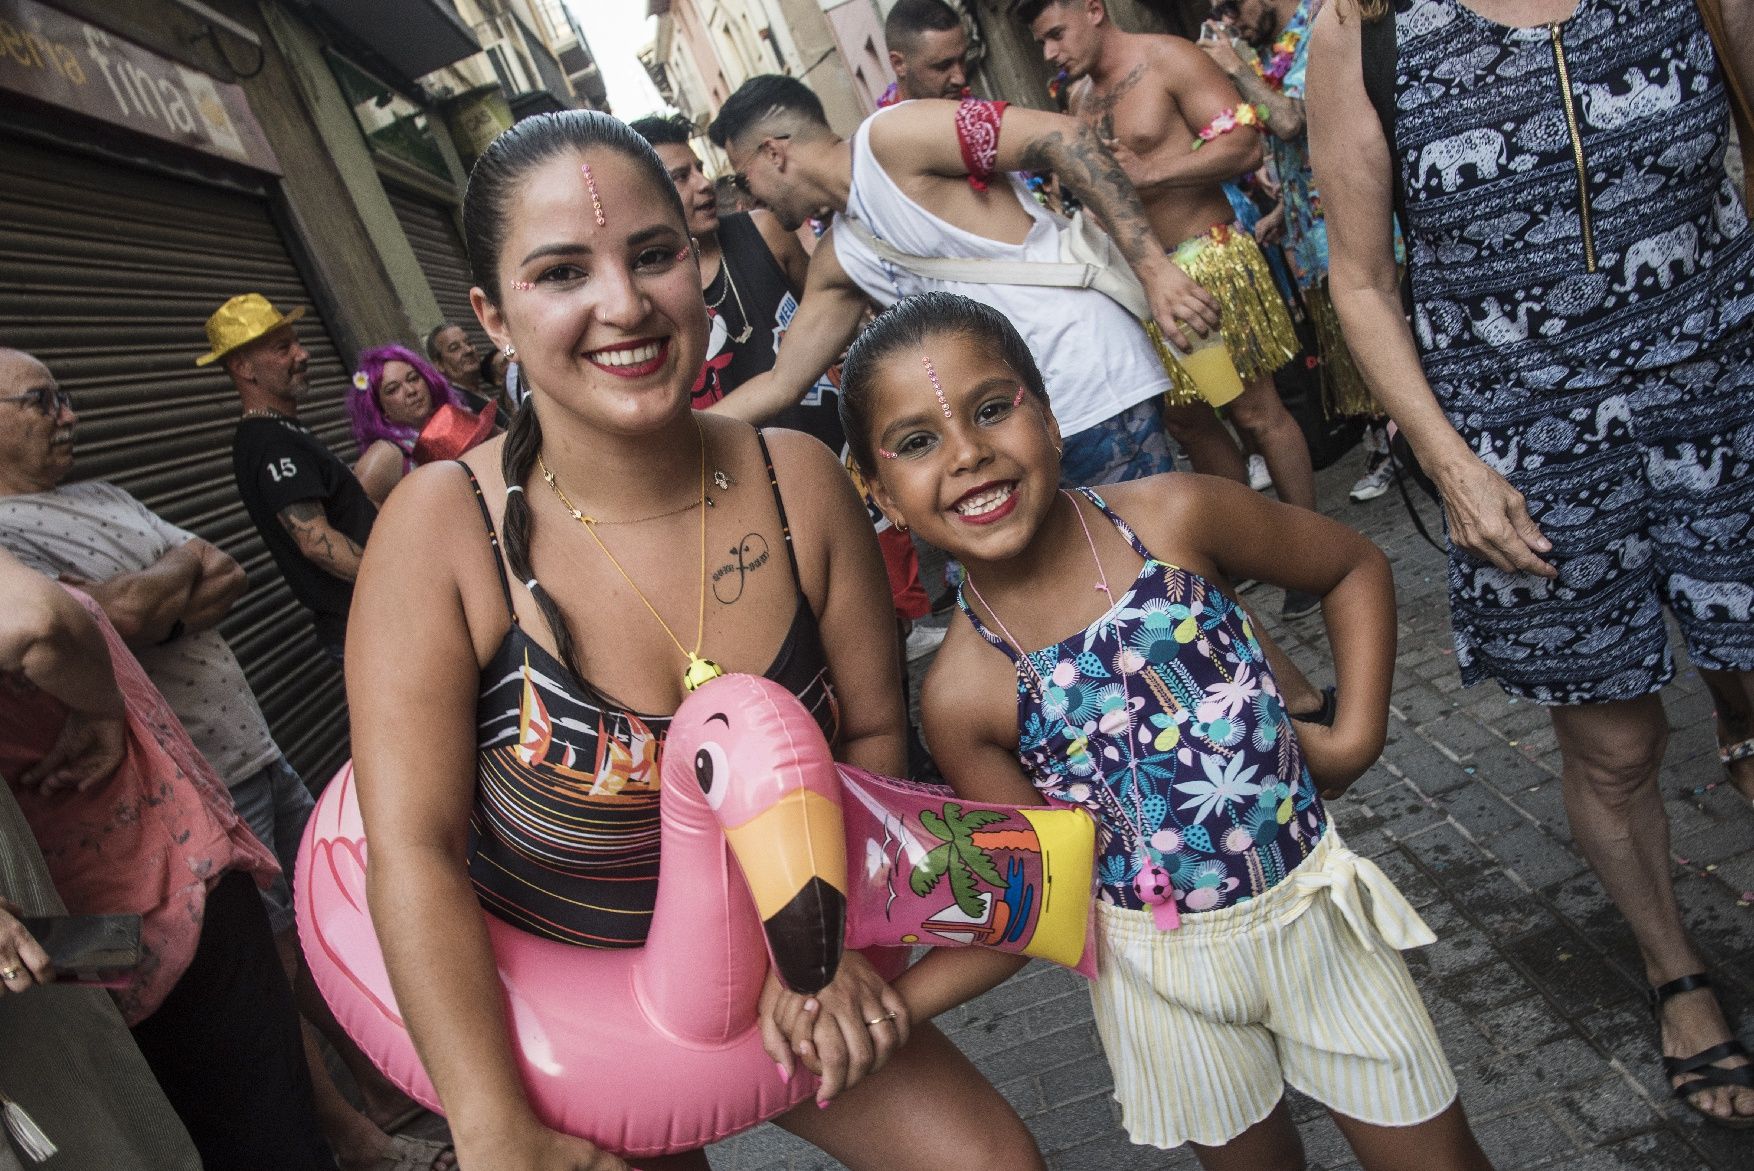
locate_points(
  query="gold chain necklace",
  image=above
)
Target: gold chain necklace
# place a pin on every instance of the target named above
(699, 670)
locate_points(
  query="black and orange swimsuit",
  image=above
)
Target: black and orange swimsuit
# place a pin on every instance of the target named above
(563, 838)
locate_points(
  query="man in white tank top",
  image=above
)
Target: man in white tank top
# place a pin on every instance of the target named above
(931, 179)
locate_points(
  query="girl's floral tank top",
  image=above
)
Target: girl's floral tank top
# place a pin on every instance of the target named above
(1163, 720)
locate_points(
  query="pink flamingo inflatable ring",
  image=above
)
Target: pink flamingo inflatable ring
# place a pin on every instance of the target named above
(658, 1049)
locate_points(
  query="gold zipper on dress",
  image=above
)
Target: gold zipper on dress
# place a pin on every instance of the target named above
(1583, 178)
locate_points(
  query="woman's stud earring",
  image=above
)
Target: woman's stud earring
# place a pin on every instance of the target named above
(511, 352)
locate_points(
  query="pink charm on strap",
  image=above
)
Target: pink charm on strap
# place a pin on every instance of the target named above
(977, 134)
(936, 388)
(591, 186)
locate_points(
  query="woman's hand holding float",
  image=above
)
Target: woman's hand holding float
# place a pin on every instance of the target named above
(843, 1033)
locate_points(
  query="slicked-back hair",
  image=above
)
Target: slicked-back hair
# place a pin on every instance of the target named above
(905, 327)
(759, 99)
(486, 209)
(909, 18)
(674, 130)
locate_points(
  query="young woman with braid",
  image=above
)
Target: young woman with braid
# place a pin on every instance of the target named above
(609, 543)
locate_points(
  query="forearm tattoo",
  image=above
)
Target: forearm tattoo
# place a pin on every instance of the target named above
(1091, 173)
(317, 539)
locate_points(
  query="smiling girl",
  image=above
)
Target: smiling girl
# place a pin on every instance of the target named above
(1105, 663)
(564, 584)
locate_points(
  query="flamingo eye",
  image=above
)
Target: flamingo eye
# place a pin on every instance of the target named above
(713, 771)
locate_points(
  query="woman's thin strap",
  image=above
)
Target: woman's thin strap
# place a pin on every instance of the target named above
(1126, 529)
(505, 585)
(785, 526)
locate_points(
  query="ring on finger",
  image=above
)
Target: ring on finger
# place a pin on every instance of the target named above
(874, 1021)
(10, 973)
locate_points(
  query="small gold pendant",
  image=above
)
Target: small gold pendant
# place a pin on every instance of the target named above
(700, 671)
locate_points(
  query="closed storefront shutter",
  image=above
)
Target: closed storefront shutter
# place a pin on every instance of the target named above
(107, 274)
(432, 233)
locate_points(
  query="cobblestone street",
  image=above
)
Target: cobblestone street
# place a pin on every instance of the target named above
(1534, 982)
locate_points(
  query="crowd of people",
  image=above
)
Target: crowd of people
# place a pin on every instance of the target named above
(719, 423)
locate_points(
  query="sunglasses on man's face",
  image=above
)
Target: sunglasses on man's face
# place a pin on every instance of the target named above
(741, 181)
(47, 400)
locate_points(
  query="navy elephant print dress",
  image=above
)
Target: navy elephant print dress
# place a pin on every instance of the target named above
(1583, 284)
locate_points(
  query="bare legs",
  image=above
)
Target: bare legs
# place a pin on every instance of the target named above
(1443, 1143)
(1611, 754)
(1265, 424)
(1733, 693)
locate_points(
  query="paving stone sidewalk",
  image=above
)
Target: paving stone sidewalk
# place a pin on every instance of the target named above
(1534, 981)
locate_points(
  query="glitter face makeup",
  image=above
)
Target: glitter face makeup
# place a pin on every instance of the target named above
(591, 186)
(938, 390)
(1017, 399)
(523, 286)
(886, 454)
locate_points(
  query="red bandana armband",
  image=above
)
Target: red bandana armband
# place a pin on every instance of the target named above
(977, 134)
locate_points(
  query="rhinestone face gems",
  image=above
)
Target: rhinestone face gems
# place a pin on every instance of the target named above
(591, 186)
(887, 454)
(1017, 399)
(938, 390)
(523, 286)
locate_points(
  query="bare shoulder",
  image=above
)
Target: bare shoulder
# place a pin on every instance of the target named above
(970, 685)
(1159, 508)
(798, 459)
(772, 231)
(427, 503)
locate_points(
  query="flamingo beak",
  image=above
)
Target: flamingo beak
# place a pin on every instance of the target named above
(794, 857)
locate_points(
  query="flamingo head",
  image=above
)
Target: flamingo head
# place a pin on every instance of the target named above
(761, 764)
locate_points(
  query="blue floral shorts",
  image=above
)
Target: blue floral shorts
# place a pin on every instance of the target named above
(1127, 446)
(1645, 486)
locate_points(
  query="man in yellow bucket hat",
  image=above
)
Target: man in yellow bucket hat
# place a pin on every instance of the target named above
(314, 517)
(312, 514)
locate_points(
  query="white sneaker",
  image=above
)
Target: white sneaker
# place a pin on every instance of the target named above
(924, 640)
(1260, 479)
(1375, 481)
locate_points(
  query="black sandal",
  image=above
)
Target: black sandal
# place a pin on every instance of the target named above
(1702, 1068)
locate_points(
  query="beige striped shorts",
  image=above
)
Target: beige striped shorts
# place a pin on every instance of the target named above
(1204, 1025)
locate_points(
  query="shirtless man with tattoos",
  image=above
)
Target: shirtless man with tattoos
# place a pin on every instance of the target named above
(931, 179)
(1177, 126)
(312, 514)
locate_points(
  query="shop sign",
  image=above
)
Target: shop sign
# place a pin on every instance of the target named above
(66, 62)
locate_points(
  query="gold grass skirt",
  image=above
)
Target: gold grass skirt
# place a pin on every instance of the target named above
(1257, 327)
(1344, 391)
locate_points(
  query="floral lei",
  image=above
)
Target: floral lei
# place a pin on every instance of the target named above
(1279, 61)
(1228, 120)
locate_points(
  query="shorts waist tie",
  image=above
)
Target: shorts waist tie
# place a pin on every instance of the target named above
(1341, 873)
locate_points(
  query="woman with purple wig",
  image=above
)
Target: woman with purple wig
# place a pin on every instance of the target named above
(405, 413)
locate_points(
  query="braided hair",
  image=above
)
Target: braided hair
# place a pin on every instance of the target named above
(493, 184)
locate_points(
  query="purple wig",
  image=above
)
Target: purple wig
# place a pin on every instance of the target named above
(369, 422)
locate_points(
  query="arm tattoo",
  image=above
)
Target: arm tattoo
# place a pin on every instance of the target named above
(1091, 173)
(317, 539)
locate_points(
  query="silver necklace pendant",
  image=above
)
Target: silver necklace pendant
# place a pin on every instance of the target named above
(721, 481)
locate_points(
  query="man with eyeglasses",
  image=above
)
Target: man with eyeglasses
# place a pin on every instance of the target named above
(165, 591)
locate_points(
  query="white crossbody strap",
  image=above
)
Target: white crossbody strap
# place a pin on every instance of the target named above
(1088, 261)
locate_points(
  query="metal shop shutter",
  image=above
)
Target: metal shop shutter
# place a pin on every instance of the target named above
(432, 233)
(107, 274)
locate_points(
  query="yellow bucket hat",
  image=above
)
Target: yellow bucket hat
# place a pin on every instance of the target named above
(241, 321)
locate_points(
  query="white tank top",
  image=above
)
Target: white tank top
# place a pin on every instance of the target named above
(1094, 356)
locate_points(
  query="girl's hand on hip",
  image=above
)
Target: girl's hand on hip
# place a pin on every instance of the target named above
(1490, 520)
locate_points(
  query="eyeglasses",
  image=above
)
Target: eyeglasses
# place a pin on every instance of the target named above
(48, 400)
(741, 181)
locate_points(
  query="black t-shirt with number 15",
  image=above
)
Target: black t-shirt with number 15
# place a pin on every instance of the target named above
(278, 462)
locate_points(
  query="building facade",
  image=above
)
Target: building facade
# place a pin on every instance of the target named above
(161, 156)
